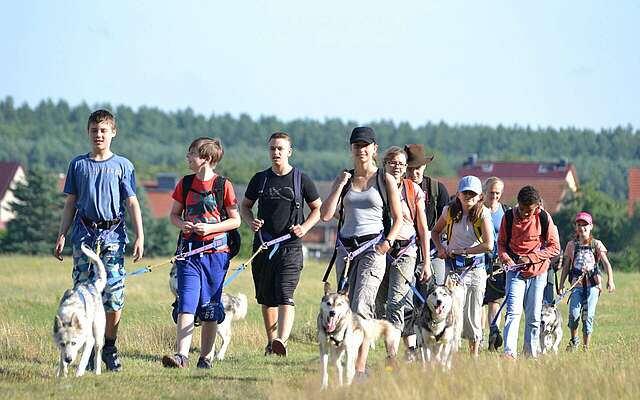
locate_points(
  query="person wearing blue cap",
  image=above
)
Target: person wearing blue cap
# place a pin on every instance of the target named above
(467, 225)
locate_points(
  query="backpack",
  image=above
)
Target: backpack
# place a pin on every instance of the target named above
(233, 236)
(477, 226)
(431, 192)
(297, 210)
(544, 222)
(592, 246)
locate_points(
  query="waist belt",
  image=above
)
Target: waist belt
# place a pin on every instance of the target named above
(353, 242)
(198, 246)
(460, 262)
(100, 224)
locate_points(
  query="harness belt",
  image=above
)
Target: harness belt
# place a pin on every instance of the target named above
(273, 242)
(216, 243)
(352, 255)
(105, 224)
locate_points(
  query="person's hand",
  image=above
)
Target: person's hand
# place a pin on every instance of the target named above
(611, 286)
(187, 227)
(456, 252)
(524, 260)
(383, 247)
(425, 273)
(138, 249)
(201, 229)
(298, 230)
(57, 251)
(256, 224)
(560, 289)
(442, 253)
(343, 178)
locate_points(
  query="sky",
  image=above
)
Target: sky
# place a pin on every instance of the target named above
(544, 63)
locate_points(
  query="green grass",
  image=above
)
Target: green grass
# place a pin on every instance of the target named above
(31, 288)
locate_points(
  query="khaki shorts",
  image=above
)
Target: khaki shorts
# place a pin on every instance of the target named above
(365, 275)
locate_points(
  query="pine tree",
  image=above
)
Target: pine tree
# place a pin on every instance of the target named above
(37, 208)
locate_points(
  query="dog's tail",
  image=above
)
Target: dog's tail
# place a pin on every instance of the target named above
(101, 280)
(374, 328)
(241, 312)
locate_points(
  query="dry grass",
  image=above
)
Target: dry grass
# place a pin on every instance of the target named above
(31, 288)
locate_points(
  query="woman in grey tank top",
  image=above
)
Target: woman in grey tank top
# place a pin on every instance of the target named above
(363, 221)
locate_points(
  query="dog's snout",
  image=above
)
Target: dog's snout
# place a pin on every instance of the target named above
(68, 360)
(332, 313)
(438, 302)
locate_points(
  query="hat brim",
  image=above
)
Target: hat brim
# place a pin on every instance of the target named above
(470, 189)
(419, 163)
(366, 140)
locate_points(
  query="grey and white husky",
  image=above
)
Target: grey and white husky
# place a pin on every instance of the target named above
(80, 320)
(438, 323)
(235, 308)
(550, 328)
(341, 332)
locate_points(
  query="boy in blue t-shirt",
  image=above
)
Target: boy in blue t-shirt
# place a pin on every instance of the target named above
(99, 186)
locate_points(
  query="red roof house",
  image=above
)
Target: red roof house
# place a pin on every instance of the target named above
(11, 172)
(633, 196)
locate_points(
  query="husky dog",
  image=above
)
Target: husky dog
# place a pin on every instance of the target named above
(438, 323)
(550, 328)
(341, 332)
(235, 308)
(81, 320)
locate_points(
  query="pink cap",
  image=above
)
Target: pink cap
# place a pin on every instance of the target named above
(584, 216)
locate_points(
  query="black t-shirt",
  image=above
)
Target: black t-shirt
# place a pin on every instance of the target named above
(433, 209)
(275, 205)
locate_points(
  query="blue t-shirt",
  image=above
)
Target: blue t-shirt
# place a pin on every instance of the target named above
(496, 219)
(101, 189)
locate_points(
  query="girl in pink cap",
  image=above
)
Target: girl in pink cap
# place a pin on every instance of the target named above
(581, 259)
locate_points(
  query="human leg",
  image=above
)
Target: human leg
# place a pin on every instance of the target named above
(515, 287)
(533, 312)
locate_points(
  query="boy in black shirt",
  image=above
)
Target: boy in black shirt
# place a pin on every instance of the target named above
(279, 191)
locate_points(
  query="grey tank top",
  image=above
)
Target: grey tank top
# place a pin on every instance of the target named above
(362, 213)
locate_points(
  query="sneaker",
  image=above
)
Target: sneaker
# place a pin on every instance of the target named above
(110, 358)
(91, 366)
(268, 350)
(204, 363)
(279, 348)
(411, 354)
(175, 361)
(498, 343)
(573, 344)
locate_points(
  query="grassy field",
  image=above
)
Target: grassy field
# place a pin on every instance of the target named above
(31, 288)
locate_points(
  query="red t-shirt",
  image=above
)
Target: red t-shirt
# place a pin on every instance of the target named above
(201, 203)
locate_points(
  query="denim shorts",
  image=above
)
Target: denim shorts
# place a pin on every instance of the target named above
(113, 259)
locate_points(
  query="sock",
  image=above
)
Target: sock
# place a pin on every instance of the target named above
(109, 342)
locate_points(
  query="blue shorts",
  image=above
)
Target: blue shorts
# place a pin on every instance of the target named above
(200, 279)
(113, 260)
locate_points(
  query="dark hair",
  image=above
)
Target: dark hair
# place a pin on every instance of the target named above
(101, 115)
(475, 213)
(528, 195)
(280, 135)
(208, 148)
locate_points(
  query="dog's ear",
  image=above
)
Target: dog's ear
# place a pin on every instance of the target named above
(57, 324)
(75, 321)
(450, 283)
(327, 288)
(344, 291)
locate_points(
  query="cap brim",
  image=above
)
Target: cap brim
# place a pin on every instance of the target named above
(366, 140)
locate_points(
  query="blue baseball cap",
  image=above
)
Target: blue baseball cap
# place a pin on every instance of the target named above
(471, 183)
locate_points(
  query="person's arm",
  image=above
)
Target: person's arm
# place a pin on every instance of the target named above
(68, 213)
(436, 232)
(425, 236)
(607, 265)
(551, 248)
(502, 242)
(246, 212)
(393, 196)
(566, 263)
(312, 219)
(176, 218)
(329, 206)
(487, 238)
(133, 207)
(232, 222)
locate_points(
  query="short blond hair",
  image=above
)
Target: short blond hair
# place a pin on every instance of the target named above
(392, 152)
(490, 182)
(208, 148)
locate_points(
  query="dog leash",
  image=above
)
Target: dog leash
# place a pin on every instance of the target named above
(243, 266)
(394, 263)
(274, 242)
(350, 256)
(567, 291)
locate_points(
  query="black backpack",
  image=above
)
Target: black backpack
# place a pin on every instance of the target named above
(544, 221)
(233, 236)
(431, 199)
(297, 210)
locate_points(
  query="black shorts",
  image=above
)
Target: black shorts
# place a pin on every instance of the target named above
(495, 288)
(275, 280)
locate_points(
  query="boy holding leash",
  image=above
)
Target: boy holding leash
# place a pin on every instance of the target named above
(280, 225)
(204, 239)
(99, 186)
(527, 241)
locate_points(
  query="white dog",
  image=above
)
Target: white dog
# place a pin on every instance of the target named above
(235, 308)
(80, 320)
(438, 324)
(341, 332)
(550, 328)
